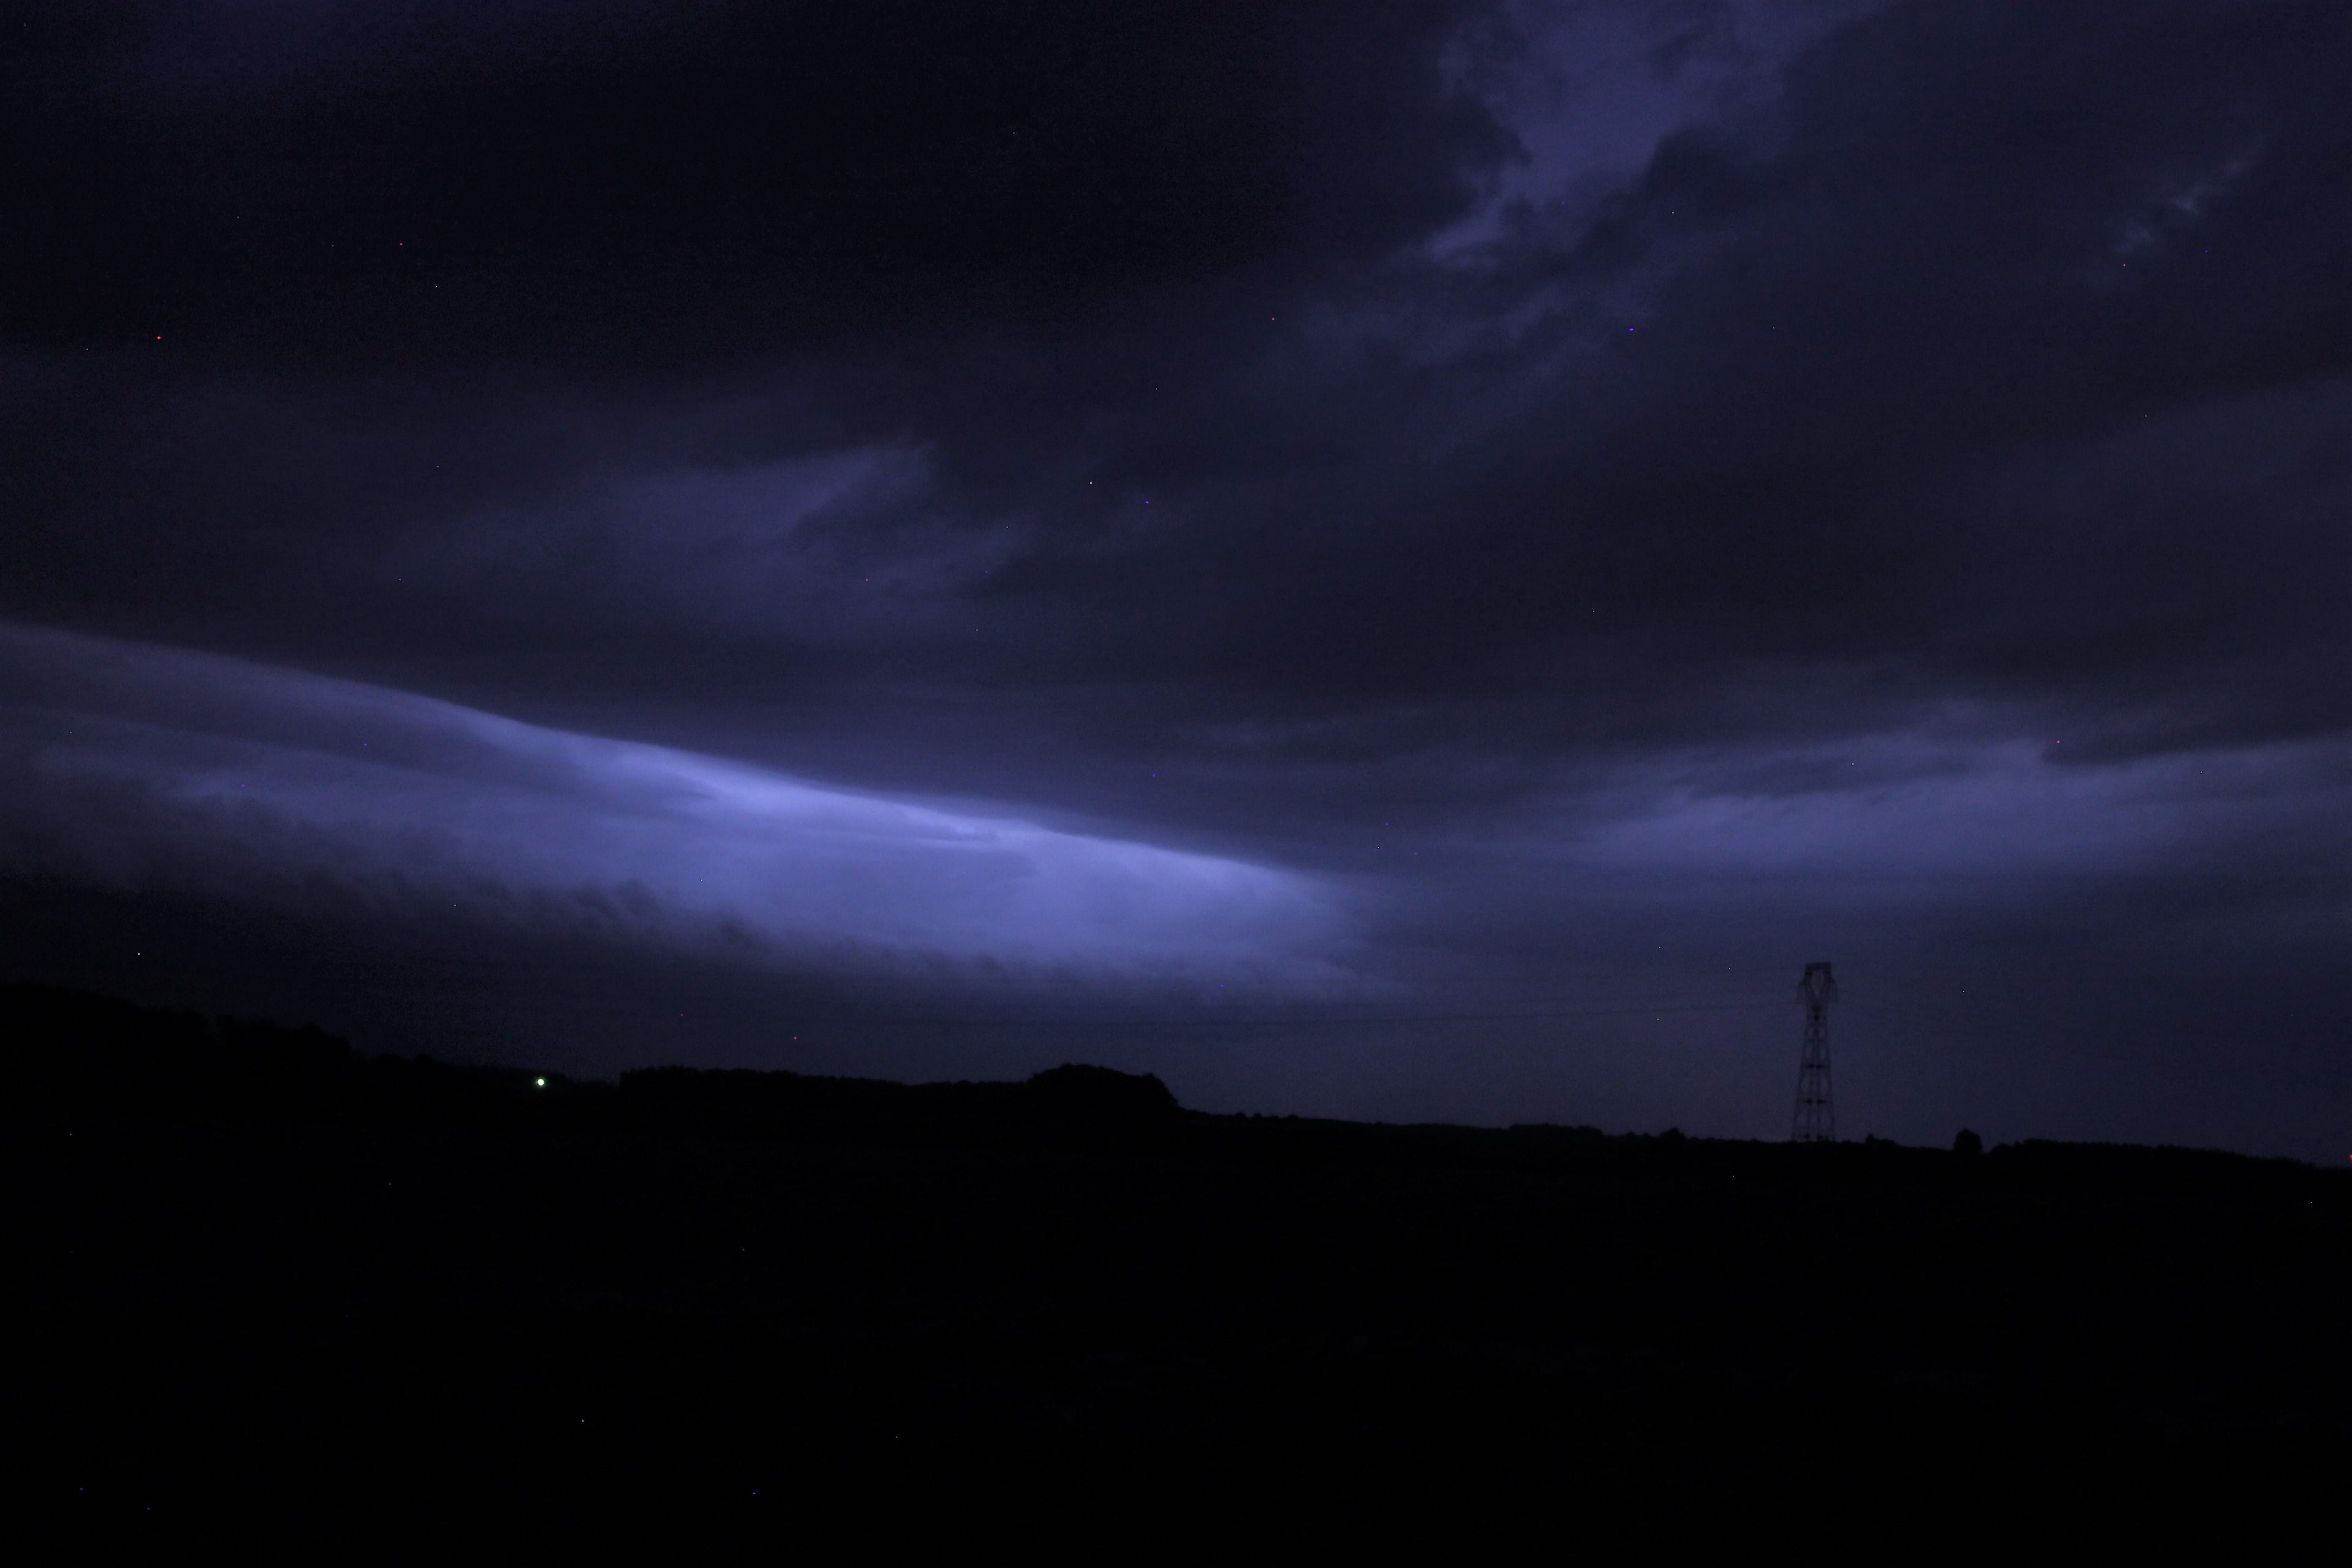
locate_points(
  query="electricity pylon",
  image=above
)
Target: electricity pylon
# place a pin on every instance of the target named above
(1816, 1120)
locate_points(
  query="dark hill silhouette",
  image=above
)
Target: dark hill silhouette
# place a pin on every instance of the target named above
(256, 1271)
(73, 1053)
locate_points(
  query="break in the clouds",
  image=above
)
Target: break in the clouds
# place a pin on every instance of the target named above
(1512, 474)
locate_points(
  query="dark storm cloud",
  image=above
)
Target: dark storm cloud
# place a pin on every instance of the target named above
(658, 183)
(1604, 481)
(1763, 407)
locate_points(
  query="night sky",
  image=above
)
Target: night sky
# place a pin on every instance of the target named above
(1397, 560)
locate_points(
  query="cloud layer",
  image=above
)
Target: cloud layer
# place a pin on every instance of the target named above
(237, 778)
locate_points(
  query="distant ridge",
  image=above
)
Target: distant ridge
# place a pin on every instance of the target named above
(73, 1054)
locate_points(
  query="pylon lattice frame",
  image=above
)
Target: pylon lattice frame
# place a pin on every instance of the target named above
(1816, 1119)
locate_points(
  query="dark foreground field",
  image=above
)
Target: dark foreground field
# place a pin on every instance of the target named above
(259, 1282)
